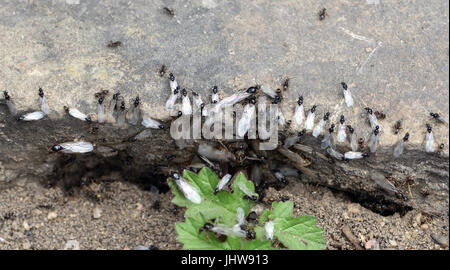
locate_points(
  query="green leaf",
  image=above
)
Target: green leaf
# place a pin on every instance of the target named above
(260, 232)
(264, 216)
(189, 235)
(258, 245)
(282, 209)
(222, 206)
(299, 233)
(294, 233)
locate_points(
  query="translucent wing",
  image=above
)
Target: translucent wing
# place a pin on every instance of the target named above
(150, 123)
(240, 215)
(197, 101)
(223, 182)
(231, 100)
(318, 129)
(34, 116)
(186, 108)
(348, 98)
(77, 114)
(281, 119)
(101, 113)
(244, 122)
(146, 133)
(398, 150)
(326, 142)
(171, 101)
(246, 190)
(290, 141)
(209, 152)
(341, 133)
(269, 228)
(189, 192)
(76, 147)
(44, 106)
(443, 119)
(353, 142)
(429, 142)
(11, 107)
(173, 85)
(299, 116)
(373, 121)
(235, 231)
(353, 155)
(334, 153)
(309, 124)
(266, 90)
(373, 142)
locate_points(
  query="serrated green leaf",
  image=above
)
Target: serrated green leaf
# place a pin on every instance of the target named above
(240, 179)
(294, 233)
(282, 209)
(189, 235)
(205, 182)
(299, 233)
(222, 206)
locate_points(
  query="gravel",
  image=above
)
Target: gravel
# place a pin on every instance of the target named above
(33, 217)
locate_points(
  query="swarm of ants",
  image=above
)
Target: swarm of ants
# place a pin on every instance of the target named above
(226, 157)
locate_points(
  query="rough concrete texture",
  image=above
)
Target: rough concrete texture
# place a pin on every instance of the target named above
(392, 54)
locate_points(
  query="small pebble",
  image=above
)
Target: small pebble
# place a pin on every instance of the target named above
(442, 240)
(97, 213)
(36, 212)
(139, 206)
(417, 220)
(26, 226)
(393, 243)
(26, 245)
(52, 215)
(372, 245)
(15, 226)
(353, 209)
(72, 245)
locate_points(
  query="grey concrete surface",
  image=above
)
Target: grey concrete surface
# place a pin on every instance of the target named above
(392, 54)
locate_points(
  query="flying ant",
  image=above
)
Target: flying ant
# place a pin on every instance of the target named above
(162, 71)
(286, 84)
(169, 11)
(380, 115)
(114, 44)
(361, 143)
(322, 14)
(102, 93)
(397, 126)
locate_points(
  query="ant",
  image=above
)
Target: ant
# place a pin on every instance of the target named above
(322, 14)
(380, 115)
(115, 44)
(162, 70)
(397, 126)
(169, 11)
